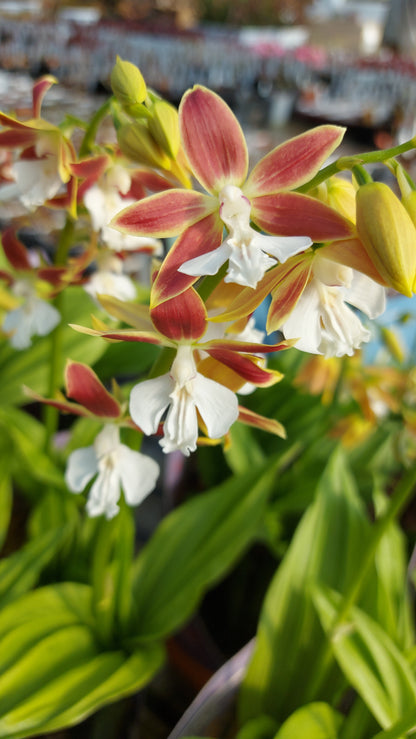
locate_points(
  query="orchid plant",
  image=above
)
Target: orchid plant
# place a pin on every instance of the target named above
(174, 281)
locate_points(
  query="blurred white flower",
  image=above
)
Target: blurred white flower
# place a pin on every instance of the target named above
(35, 317)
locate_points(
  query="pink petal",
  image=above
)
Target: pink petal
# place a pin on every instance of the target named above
(164, 214)
(287, 292)
(15, 251)
(295, 162)
(246, 367)
(13, 138)
(251, 418)
(40, 88)
(182, 318)
(293, 214)
(212, 139)
(248, 300)
(65, 406)
(83, 385)
(150, 180)
(125, 334)
(199, 238)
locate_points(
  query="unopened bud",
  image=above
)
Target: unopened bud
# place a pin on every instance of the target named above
(127, 83)
(164, 127)
(138, 144)
(388, 235)
(338, 193)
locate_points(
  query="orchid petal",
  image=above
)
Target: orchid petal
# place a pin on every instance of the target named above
(207, 264)
(200, 238)
(217, 405)
(352, 253)
(104, 494)
(164, 214)
(15, 251)
(212, 139)
(289, 214)
(366, 295)
(180, 429)
(251, 418)
(282, 247)
(183, 318)
(294, 162)
(286, 294)
(81, 468)
(138, 474)
(303, 322)
(83, 385)
(246, 366)
(40, 88)
(44, 317)
(148, 402)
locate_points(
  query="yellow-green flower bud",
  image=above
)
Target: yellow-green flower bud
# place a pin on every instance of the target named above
(127, 83)
(338, 193)
(164, 127)
(137, 143)
(388, 234)
(409, 202)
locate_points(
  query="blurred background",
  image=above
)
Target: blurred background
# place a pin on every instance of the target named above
(283, 65)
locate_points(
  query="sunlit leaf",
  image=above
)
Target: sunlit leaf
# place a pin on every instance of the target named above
(314, 721)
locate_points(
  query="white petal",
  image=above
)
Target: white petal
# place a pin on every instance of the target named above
(107, 441)
(95, 203)
(44, 317)
(343, 331)
(247, 264)
(281, 247)
(207, 264)
(366, 295)
(38, 180)
(18, 322)
(108, 283)
(180, 429)
(148, 402)
(304, 322)
(104, 494)
(138, 474)
(217, 404)
(81, 468)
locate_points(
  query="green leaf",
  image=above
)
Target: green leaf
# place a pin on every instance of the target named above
(243, 452)
(370, 660)
(20, 571)
(53, 670)
(6, 500)
(31, 367)
(26, 436)
(327, 547)
(314, 721)
(193, 547)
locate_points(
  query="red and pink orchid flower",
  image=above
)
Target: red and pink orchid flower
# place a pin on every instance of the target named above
(114, 465)
(188, 397)
(217, 153)
(43, 166)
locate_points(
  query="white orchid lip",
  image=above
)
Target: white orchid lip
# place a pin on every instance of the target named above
(182, 394)
(249, 253)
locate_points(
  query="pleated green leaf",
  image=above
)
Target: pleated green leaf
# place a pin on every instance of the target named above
(6, 499)
(327, 547)
(314, 721)
(193, 547)
(370, 660)
(20, 571)
(53, 670)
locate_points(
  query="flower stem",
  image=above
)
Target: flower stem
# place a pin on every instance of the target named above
(344, 163)
(91, 132)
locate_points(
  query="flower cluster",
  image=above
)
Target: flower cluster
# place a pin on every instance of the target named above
(309, 242)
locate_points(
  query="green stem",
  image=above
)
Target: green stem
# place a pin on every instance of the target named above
(397, 503)
(404, 727)
(361, 175)
(91, 132)
(103, 596)
(345, 163)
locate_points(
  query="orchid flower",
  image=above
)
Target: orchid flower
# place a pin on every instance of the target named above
(43, 166)
(30, 314)
(106, 197)
(321, 319)
(215, 147)
(114, 465)
(188, 394)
